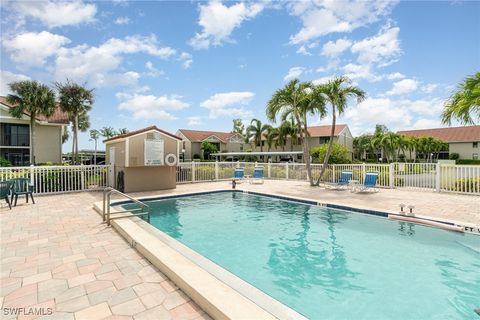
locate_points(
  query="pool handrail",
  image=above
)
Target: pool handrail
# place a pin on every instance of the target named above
(106, 214)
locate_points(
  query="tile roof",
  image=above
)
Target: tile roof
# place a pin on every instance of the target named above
(132, 133)
(324, 131)
(58, 115)
(196, 135)
(454, 134)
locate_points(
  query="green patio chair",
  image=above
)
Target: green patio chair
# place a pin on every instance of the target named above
(5, 187)
(21, 186)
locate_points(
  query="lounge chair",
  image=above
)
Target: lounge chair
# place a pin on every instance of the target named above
(21, 186)
(238, 175)
(257, 176)
(369, 183)
(343, 182)
(5, 187)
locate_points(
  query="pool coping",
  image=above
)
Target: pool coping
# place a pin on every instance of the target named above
(245, 295)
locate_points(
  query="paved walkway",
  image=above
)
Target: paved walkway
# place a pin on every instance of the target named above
(58, 255)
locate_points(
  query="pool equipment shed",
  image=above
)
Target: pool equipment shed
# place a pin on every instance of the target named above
(144, 160)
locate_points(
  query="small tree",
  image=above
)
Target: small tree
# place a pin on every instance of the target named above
(94, 135)
(339, 154)
(208, 148)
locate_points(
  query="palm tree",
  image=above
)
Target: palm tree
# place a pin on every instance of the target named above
(464, 105)
(32, 98)
(283, 133)
(122, 131)
(107, 132)
(94, 135)
(238, 126)
(256, 131)
(336, 92)
(272, 137)
(295, 100)
(75, 100)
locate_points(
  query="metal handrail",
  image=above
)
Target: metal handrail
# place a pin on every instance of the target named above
(107, 192)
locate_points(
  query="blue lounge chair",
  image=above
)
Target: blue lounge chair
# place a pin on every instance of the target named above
(344, 180)
(257, 176)
(369, 183)
(238, 175)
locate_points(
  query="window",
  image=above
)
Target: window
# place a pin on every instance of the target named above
(475, 144)
(475, 156)
(15, 135)
(324, 140)
(241, 147)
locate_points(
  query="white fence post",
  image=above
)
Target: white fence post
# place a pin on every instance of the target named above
(216, 170)
(269, 165)
(364, 170)
(82, 177)
(193, 171)
(334, 177)
(438, 176)
(286, 170)
(32, 175)
(391, 175)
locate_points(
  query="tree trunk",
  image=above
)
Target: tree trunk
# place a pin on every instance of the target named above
(95, 154)
(330, 147)
(306, 153)
(73, 147)
(32, 138)
(76, 139)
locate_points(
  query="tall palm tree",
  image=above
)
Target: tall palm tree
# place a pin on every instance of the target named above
(295, 100)
(256, 131)
(33, 98)
(75, 100)
(464, 104)
(272, 137)
(336, 93)
(107, 132)
(284, 133)
(122, 131)
(94, 135)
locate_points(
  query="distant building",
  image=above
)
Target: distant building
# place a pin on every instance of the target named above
(224, 141)
(462, 140)
(15, 136)
(319, 135)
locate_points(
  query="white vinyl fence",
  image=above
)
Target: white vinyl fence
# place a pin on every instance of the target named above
(415, 176)
(57, 179)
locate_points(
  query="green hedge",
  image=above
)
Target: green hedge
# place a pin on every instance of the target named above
(468, 161)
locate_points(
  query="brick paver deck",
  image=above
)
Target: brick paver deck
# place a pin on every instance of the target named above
(58, 255)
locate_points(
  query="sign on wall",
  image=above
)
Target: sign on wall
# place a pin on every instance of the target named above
(154, 152)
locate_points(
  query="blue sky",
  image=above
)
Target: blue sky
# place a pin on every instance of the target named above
(199, 65)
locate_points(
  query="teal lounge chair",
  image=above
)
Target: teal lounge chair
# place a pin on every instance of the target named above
(239, 174)
(257, 176)
(344, 180)
(369, 183)
(21, 186)
(5, 187)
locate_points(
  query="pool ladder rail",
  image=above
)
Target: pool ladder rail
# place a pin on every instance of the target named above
(107, 214)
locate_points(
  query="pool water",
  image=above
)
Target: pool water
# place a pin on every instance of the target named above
(330, 264)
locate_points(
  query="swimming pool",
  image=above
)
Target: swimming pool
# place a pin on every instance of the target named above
(327, 263)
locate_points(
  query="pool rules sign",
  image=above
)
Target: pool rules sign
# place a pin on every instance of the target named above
(154, 152)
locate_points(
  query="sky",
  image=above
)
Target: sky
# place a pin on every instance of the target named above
(198, 65)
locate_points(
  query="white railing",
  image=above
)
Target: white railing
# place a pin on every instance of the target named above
(58, 179)
(415, 176)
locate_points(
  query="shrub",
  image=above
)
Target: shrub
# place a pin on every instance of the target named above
(454, 156)
(5, 163)
(340, 154)
(467, 185)
(468, 161)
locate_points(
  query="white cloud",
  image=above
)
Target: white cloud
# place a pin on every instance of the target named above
(195, 121)
(360, 71)
(186, 59)
(403, 86)
(96, 64)
(218, 22)
(426, 124)
(230, 104)
(150, 106)
(323, 17)
(323, 80)
(381, 49)
(429, 88)
(303, 50)
(152, 71)
(293, 73)
(395, 76)
(335, 48)
(32, 49)
(7, 77)
(57, 13)
(122, 20)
